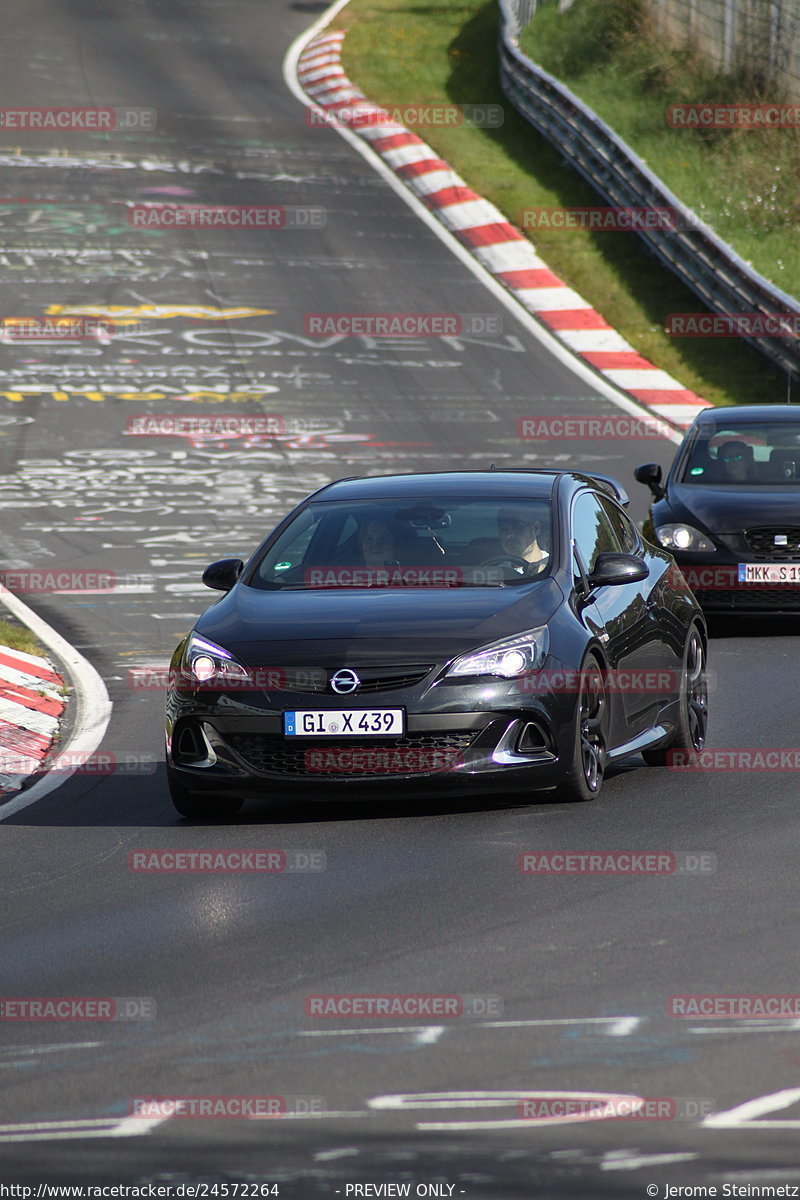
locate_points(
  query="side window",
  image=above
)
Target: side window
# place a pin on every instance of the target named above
(592, 530)
(623, 527)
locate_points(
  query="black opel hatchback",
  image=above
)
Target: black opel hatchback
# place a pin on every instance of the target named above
(459, 632)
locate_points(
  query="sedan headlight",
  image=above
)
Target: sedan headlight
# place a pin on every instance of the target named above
(507, 658)
(205, 664)
(683, 537)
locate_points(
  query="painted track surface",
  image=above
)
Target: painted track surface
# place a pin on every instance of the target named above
(413, 898)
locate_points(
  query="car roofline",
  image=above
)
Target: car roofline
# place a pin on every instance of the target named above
(607, 483)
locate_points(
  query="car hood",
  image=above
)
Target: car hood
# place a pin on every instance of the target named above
(381, 625)
(730, 509)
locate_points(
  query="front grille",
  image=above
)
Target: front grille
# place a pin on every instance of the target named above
(762, 543)
(373, 679)
(276, 755)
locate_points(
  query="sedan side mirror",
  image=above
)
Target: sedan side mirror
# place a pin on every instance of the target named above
(222, 575)
(612, 569)
(650, 475)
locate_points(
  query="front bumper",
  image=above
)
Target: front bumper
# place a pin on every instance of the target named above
(229, 746)
(717, 588)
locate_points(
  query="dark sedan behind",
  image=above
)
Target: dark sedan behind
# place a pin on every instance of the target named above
(729, 510)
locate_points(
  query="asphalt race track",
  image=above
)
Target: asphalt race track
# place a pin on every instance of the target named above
(571, 975)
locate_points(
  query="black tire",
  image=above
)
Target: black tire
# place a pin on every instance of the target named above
(584, 776)
(200, 807)
(690, 733)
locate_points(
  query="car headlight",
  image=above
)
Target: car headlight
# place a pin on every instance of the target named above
(678, 536)
(507, 658)
(205, 664)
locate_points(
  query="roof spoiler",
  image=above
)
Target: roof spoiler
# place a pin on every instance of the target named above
(612, 486)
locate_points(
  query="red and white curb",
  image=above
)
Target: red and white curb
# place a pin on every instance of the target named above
(29, 729)
(505, 252)
(31, 705)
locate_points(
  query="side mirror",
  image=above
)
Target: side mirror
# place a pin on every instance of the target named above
(612, 569)
(650, 475)
(222, 575)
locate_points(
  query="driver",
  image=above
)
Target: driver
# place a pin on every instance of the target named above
(376, 543)
(734, 458)
(519, 535)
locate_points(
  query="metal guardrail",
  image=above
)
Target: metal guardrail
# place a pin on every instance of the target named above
(707, 265)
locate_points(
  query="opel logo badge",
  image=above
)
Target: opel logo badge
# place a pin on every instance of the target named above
(344, 682)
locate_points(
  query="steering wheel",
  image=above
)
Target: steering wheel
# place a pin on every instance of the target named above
(498, 560)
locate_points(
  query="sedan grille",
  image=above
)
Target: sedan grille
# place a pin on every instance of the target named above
(764, 548)
(755, 598)
(275, 755)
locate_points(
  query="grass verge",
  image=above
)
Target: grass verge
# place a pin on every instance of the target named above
(400, 52)
(17, 637)
(745, 183)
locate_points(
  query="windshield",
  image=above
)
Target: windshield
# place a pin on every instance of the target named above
(410, 543)
(767, 454)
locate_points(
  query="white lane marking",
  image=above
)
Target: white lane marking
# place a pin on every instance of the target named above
(56, 1046)
(542, 335)
(412, 1029)
(133, 1126)
(308, 1116)
(51, 1131)
(747, 1114)
(626, 1160)
(481, 1099)
(616, 1022)
(329, 1155)
(430, 1035)
(750, 1026)
(91, 701)
(624, 1026)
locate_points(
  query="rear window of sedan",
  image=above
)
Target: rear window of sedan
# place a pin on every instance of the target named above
(410, 543)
